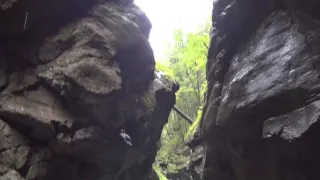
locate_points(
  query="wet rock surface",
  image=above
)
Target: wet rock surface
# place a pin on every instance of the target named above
(77, 90)
(261, 115)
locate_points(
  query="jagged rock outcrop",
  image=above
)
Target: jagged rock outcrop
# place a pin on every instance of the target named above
(261, 119)
(78, 91)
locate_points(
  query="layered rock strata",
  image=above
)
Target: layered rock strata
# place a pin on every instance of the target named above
(260, 121)
(78, 91)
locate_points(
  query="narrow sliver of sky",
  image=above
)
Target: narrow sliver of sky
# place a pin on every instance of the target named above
(168, 15)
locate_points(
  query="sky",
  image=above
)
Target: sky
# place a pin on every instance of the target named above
(168, 15)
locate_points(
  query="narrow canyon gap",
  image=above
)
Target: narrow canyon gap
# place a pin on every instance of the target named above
(77, 78)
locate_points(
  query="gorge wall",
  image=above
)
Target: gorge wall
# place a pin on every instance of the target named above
(78, 92)
(261, 119)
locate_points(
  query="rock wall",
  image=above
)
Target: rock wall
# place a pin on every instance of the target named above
(260, 121)
(78, 93)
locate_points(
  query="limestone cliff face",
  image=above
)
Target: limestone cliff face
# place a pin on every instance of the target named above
(261, 117)
(78, 90)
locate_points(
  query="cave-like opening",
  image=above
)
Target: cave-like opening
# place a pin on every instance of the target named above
(180, 39)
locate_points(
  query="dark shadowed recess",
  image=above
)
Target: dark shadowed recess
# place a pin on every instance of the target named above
(30, 22)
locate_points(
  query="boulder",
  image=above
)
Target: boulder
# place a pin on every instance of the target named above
(78, 90)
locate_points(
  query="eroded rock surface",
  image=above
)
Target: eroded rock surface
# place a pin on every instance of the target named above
(77, 89)
(261, 119)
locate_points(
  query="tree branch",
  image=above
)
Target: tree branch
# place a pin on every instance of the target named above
(183, 115)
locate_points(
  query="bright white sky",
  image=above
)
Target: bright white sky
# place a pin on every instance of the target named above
(168, 15)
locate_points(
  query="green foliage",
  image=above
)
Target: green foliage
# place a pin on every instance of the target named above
(165, 68)
(186, 64)
(159, 173)
(192, 129)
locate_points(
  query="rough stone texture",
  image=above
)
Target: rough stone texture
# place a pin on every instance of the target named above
(178, 176)
(195, 143)
(261, 116)
(77, 90)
